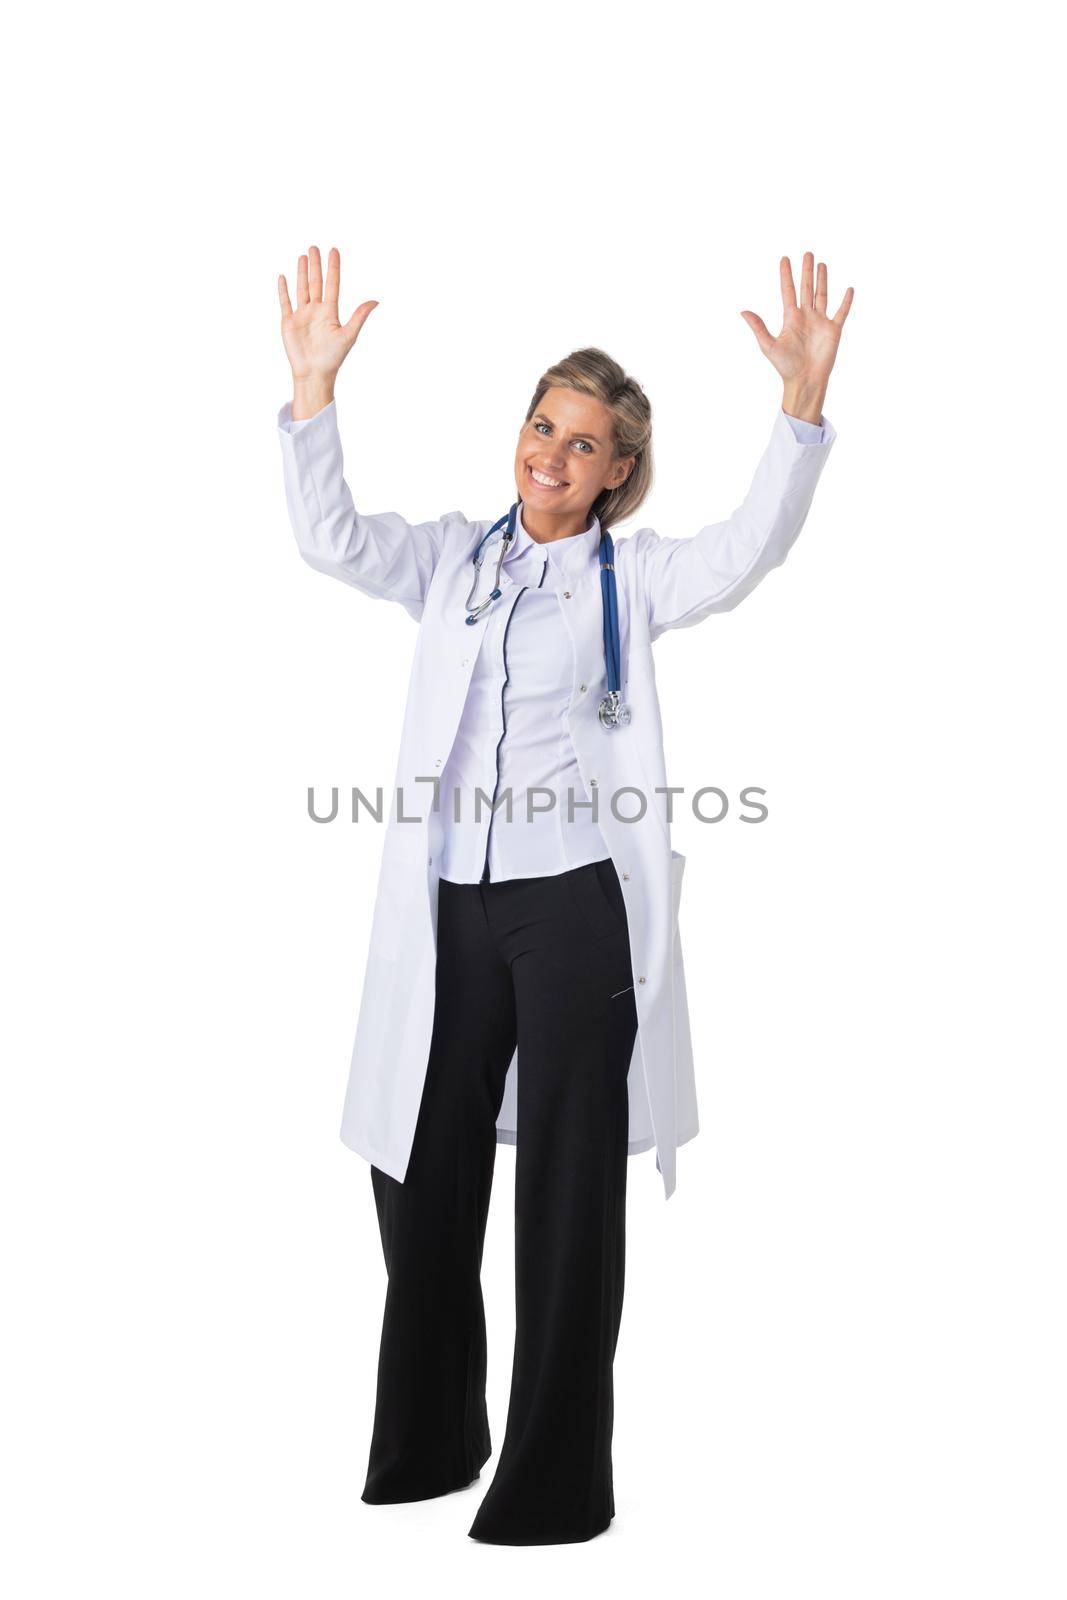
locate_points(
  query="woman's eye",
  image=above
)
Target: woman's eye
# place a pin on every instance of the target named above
(584, 442)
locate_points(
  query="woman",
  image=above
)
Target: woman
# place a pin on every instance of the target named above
(544, 932)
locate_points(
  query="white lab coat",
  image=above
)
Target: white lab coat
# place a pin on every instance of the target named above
(662, 583)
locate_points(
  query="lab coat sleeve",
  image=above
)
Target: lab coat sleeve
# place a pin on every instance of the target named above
(806, 432)
(686, 580)
(383, 555)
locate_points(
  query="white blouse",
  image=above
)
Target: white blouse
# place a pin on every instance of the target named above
(513, 732)
(513, 735)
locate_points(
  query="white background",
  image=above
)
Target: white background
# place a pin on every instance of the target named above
(856, 1292)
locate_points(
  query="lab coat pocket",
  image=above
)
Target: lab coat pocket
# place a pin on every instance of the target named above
(597, 896)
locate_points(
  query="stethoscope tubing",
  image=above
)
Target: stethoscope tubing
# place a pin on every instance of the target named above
(612, 712)
(505, 543)
(610, 598)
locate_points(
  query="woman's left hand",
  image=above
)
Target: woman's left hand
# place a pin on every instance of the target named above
(804, 352)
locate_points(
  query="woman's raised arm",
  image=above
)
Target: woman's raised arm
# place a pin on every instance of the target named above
(685, 580)
(383, 555)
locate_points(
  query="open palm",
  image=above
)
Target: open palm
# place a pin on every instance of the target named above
(315, 339)
(805, 350)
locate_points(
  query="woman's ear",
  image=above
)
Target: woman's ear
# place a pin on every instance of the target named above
(622, 471)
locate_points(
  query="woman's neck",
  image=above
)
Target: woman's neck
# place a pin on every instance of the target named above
(544, 528)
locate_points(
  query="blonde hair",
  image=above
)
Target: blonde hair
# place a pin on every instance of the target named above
(592, 371)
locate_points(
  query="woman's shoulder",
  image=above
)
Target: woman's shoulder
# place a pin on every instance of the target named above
(633, 545)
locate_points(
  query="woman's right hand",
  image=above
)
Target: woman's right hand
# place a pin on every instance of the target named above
(315, 340)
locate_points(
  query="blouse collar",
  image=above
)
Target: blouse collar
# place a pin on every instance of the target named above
(570, 555)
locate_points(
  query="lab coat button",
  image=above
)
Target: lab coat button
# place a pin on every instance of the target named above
(592, 783)
(626, 877)
(582, 687)
(640, 980)
(437, 763)
(566, 594)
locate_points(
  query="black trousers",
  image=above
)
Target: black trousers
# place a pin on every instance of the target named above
(543, 963)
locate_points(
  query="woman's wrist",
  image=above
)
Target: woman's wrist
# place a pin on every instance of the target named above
(310, 395)
(804, 401)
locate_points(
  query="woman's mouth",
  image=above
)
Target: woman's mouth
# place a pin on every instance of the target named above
(543, 481)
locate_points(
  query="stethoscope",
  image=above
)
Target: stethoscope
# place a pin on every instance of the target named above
(613, 713)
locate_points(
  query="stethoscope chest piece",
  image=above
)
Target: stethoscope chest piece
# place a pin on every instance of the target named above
(613, 714)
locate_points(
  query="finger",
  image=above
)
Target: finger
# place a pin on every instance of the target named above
(807, 270)
(789, 293)
(315, 272)
(283, 295)
(763, 336)
(820, 288)
(843, 309)
(356, 321)
(333, 278)
(302, 281)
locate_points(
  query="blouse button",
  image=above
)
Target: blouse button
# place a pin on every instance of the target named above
(566, 594)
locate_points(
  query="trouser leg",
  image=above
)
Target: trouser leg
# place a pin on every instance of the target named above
(577, 1023)
(431, 1431)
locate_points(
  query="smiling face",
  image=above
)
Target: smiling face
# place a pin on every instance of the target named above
(565, 457)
